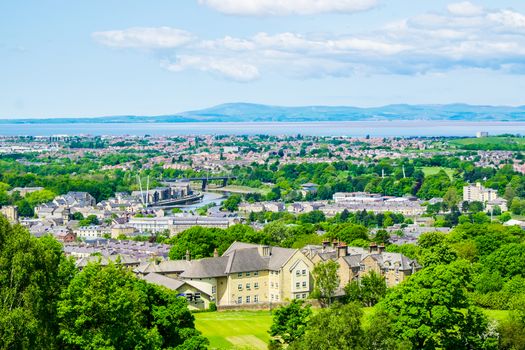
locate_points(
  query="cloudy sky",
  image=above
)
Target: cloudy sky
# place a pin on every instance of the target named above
(148, 57)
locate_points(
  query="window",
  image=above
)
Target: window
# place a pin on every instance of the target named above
(256, 273)
(304, 296)
(297, 296)
(304, 284)
(271, 296)
(239, 274)
(271, 284)
(304, 272)
(297, 284)
(239, 286)
(276, 284)
(255, 298)
(239, 300)
(276, 297)
(213, 289)
(297, 273)
(248, 286)
(247, 274)
(256, 285)
(247, 299)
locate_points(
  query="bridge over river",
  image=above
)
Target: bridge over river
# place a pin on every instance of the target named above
(204, 180)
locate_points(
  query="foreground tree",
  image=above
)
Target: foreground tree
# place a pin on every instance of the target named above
(33, 273)
(369, 291)
(109, 308)
(289, 323)
(336, 328)
(431, 310)
(326, 281)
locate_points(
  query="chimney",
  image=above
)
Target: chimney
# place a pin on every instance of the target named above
(381, 248)
(215, 253)
(335, 243)
(325, 245)
(342, 250)
(373, 248)
(187, 255)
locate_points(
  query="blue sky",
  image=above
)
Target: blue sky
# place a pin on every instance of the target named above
(150, 57)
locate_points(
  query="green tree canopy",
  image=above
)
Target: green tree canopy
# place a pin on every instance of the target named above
(109, 308)
(431, 310)
(33, 272)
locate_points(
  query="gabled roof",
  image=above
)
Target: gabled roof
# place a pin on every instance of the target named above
(206, 268)
(278, 257)
(244, 260)
(352, 260)
(166, 266)
(161, 280)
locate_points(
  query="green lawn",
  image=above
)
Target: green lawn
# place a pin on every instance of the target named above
(235, 329)
(491, 143)
(243, 189)
(496, 315)
(249, 329)
(432, 170)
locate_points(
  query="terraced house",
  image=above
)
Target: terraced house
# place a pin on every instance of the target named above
(246, 274)
(355, 262)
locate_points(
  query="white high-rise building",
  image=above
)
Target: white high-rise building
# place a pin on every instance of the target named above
(478, 193)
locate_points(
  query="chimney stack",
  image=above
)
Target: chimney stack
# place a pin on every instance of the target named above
(215, 253)
(325, 245)
(187, 255)
(335, 243)
(373, 248)
(342, 250)
(381, 248)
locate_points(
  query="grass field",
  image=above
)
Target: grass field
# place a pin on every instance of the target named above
(246, 330)
(243, 189)
(243, 329)
(496, 315)
(491, 143)
(432, 170)
(235, 329)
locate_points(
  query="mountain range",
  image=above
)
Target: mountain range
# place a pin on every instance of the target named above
(249, 112)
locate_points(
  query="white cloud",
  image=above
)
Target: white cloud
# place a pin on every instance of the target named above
(148, 38)
(288, 7)
(226, 68)
(462, 36)
(465, 8)
(508, 19)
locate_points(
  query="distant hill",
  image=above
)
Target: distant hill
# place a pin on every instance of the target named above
(248, 112)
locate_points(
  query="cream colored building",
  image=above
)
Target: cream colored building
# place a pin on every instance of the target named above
(10, 212)
(246, 274)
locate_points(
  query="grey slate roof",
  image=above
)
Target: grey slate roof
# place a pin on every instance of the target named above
(206, 268)
(353, 260)
(166, 266)
(244, 260)
(161, 280)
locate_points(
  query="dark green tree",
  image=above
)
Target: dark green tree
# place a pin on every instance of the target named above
(289, 323)
(431, 310)
(33, 273)
(335, 328)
